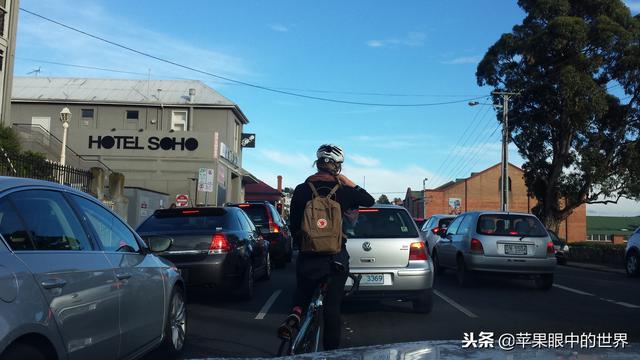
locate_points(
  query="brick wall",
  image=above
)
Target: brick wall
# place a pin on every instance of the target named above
(482, 192)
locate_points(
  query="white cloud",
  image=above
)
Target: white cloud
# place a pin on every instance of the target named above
(292, 160)
(412, 39)
(364, 160)
(634, 6)
(464, 60)
(624, 207)
(278, 28)
(400, 141)
(39, 39)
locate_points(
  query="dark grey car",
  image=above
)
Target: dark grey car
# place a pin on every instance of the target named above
(498, 242)
(435, 226)
(77, 283)
(217, 247)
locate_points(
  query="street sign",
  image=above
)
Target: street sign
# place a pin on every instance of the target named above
(248, 140)
(205, 180)
(182, 200)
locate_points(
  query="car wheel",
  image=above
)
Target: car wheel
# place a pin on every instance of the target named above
(175, 331)
(424, 303)
(633, 268)
(23, 350)
(465, 276)
(267, 268)
(544, 281)
(245, 292)
(437, 268)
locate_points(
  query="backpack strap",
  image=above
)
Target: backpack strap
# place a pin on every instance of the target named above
(313, 189)
(333, 191)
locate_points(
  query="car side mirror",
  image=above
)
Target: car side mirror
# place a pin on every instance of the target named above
(159, 243)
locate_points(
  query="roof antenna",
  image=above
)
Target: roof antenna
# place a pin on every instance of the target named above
(36, 72)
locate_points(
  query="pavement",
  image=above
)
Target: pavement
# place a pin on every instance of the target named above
(581, 300)
(596, 267)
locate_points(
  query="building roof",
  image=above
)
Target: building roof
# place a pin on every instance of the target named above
(609, 225)
(261, 192)
(473, 175)
(119, 91)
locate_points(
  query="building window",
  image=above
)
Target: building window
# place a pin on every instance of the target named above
(500, 184)
(133, 115)
(179, 121)
(1, 60)
(3, 14)
(87, 113)
(236, 138)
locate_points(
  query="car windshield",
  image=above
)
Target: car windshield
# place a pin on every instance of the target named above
(510, 225)
(188, 220)
(384, 223)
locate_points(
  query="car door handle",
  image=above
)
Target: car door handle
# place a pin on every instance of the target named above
(123, 276)
(53, 283)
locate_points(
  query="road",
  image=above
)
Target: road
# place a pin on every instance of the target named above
(580, 301)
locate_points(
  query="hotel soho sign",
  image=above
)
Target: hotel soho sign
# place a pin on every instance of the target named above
(151, 144)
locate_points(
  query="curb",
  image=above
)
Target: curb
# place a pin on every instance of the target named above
(596, 268)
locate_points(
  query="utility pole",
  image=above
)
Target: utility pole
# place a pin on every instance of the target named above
(424, 198)
(504, 184)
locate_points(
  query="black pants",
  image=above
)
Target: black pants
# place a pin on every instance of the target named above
(331, 304)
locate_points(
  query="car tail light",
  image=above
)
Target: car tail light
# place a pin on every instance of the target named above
(244, 205)
(190, 212)
(476, 247)
(417, 251)
(273, 227)
(367, 210)
(219, 243)
(550, 248)
(435, 230)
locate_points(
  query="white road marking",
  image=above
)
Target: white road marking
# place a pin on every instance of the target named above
(621, 303)
(455, 304)
(265, 309)
(572, 290)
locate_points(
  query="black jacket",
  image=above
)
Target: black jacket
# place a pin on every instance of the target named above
(315, 265)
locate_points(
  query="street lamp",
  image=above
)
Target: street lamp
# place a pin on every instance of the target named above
(65, 116)
(424, 198)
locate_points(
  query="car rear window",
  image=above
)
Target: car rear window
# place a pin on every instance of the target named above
(185, 220)
(445, 222)
(383, 223)
(510, 225)
(257, 214)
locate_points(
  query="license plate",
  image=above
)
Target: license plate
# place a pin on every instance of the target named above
(372, 279)
(515, 249)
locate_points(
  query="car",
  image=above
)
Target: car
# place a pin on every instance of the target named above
(76, 282)
(496, 242)
(561, 248)
(632, 254)
(420, 222)
(385, 248)
(215, 247)
(274, 229)
(433, 228)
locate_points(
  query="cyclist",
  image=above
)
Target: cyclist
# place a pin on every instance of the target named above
(312, 268)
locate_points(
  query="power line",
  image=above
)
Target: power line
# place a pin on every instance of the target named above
(482, 147)
(265, 88)
(88, 67)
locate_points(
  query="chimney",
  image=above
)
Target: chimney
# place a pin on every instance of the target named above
(279, 183)
(192, 94)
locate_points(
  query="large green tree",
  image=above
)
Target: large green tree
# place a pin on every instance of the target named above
(575, 65)
(383, 199)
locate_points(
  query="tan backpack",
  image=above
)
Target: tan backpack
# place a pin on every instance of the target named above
(322, 223)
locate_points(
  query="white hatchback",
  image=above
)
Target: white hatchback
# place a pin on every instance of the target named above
(386, 249)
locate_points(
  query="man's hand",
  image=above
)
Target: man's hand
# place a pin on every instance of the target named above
(346, 181)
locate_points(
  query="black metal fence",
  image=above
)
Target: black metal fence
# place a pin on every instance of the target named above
(34, 167)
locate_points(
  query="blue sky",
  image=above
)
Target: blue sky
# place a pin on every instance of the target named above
(416, 52)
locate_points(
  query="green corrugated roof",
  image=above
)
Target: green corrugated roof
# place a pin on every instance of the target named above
(609, 225)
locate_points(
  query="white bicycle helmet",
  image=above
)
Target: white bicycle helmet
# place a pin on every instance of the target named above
(330, 152)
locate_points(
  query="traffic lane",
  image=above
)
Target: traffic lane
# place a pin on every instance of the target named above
(509, 305)
(369, 323)
(607, 285)
(222, 326)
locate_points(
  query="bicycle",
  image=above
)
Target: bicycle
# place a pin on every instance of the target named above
(307, 337)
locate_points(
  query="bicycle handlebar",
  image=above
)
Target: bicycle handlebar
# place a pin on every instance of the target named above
(356, 284)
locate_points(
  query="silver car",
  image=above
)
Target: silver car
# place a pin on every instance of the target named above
(509, 243)
(435, 226)
(632, 254)
(77, 283)
(386, 249)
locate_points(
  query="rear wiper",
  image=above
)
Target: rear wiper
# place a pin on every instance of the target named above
(522, 237)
